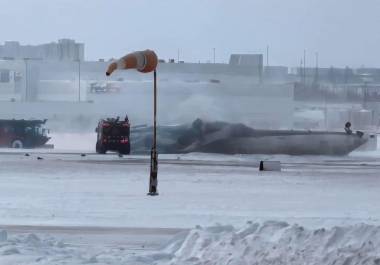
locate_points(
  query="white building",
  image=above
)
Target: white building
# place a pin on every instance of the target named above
(63, 50)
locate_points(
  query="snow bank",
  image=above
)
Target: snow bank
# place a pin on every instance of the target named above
(275, 243)
(268, 243)
(30, 249)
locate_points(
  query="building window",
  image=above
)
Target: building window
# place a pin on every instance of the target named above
(4, 76)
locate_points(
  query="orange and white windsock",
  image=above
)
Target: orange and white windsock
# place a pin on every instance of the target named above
(143, 61)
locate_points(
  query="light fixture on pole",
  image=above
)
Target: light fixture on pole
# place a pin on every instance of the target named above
(144, 62)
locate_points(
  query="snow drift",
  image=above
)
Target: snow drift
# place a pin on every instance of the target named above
(274, 243)
(268, 243)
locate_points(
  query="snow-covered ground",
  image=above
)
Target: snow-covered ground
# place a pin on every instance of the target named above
(42, 199)
(273, 243)
(105, 190)
(269, 243)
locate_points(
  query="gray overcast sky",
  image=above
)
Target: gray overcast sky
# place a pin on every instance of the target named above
(344, 32)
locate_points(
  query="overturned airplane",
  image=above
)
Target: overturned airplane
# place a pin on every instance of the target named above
(230, 138)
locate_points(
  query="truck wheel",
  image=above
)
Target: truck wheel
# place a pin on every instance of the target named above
(125, 150)
(100, 149)
(17, 144)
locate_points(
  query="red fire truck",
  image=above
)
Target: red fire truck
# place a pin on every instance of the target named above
(113, 135)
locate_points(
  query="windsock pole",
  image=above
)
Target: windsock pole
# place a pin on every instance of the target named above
(144, 62)
(153, 154)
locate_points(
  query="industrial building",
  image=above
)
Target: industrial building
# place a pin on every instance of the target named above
(63, 50)
(34, 77)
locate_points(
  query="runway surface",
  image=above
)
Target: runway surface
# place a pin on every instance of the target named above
(98, 201)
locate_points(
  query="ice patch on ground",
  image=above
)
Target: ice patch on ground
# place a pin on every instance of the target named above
(275, 243)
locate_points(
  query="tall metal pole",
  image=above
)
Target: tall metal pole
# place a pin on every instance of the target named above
(153, 154)
(317, 67)
(79, 80)
(304, 67)
(214, 54)
(155, 110)
(26, 79)
(267, 55)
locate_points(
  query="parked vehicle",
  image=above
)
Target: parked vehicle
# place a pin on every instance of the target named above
(113, 135)
(23, 133)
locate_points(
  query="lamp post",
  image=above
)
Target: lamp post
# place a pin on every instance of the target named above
(144, 62)
(26, 78)
(30, 77)
(79, 99)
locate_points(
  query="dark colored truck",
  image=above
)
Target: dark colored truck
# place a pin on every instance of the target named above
(23, 133)
(113, 135)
